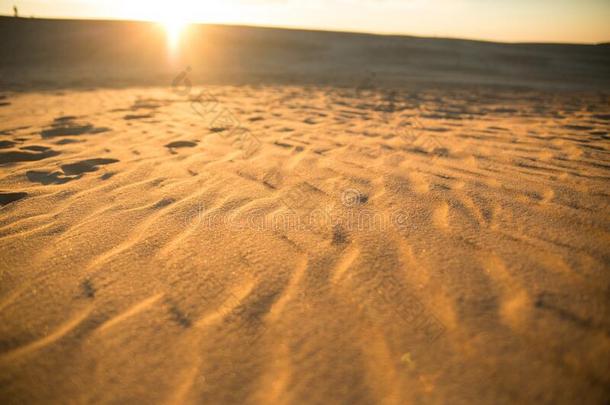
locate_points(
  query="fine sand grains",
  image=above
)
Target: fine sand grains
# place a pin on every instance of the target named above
(304, 245)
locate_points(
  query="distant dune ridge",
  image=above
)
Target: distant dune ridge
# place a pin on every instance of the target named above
(301, 218)
(59, 53)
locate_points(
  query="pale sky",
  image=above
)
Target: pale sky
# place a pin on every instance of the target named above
(577, 21)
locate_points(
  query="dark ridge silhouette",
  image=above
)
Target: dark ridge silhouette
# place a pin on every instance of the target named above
(80, 53)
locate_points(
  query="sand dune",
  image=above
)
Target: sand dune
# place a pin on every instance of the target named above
(63, 53)
(347, 259)
(304, 244)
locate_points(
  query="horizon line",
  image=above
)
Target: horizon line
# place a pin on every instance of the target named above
(311, 29)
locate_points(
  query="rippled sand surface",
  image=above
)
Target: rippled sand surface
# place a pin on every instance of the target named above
(286, 244)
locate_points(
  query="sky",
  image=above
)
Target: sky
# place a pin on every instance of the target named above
(574, 21)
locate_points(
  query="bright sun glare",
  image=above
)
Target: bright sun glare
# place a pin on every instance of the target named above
(174, 28)
(174, 18)
(177, 15)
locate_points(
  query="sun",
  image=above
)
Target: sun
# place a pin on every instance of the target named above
(174, 28)
(172, 17)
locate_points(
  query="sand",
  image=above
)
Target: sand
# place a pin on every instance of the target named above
(290, 244)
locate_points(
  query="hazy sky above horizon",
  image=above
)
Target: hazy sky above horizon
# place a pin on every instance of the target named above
(581, 21)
